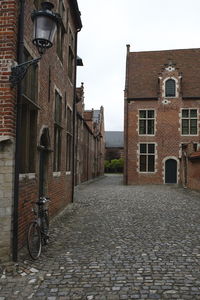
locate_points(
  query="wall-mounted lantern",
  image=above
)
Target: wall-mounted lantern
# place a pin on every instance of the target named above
(45, 23)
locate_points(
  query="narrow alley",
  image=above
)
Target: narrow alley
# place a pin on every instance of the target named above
(116, 242)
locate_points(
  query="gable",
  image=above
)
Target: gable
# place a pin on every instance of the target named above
(144, 69)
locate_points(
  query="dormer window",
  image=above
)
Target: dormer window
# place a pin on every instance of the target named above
(170, 88)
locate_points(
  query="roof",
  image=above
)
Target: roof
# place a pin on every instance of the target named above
(77, 14)
(114, 139)
(195, 155)
(144, 69)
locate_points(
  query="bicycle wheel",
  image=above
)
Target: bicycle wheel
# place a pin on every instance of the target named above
(34, 243)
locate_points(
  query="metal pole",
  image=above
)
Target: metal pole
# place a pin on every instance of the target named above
(17, 143)
(74, 118)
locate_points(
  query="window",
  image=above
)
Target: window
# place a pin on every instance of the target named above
(195, 146)
(70, 63)
(189, 121)
(147, 157)
(57, 132)
(61, 10)
(60, 42)
(61, 31)
(28, 138)
(71, 56)
(29, 109)
(170, 88)
(30, 81)
(37, 3)
(146, 121)
(69, 140)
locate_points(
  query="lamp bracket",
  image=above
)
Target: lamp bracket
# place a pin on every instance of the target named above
(18, 72)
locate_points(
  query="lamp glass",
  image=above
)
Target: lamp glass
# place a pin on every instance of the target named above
(44, 31)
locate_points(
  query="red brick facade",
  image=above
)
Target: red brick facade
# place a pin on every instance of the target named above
(46, 132)
(8, 44)
(162, 101)
(90, 141)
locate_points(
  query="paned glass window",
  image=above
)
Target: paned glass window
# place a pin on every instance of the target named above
(61, 31)
(70, 63)
(57, 132)
(189, 121)
(146, 121)
(29, 112)
(170, 88)
(69, 140)
(30, 81)
(147, 157)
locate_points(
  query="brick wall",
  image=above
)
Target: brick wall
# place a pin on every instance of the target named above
(58, 185)
(90, 141)
(144, 93)
(8, 40)
(194, 175)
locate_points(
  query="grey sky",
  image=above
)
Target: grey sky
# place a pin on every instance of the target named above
(108, 25)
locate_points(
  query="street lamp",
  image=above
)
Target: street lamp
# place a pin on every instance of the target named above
(45, 23)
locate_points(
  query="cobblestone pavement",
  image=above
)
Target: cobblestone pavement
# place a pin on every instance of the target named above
(116, 242)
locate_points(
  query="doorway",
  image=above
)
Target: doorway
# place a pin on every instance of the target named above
(43, 161)
(171, 171)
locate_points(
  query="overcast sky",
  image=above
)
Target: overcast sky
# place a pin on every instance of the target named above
(108, 25)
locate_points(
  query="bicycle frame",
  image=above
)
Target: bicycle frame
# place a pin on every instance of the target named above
(41, 227)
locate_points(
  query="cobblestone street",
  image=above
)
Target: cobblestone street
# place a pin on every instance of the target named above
(116, 242)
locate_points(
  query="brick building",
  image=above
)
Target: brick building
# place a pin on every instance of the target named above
(162, 101)
(46, 118)
(114, 145)
(190, 166)
(90, 141)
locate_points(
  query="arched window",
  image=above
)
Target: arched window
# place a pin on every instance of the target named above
(170, 88)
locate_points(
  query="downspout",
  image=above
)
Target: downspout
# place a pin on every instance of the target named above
(74, 117)
(126, 122)
(20, 55)
(88, 148)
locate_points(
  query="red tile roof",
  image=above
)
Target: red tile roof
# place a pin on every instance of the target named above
(144, 69)
(195, 155)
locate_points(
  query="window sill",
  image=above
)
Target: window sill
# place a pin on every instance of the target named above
(189, 135)
(146, 173)
(170, 97)
(56, 174)
(26, 176)
(146, 134)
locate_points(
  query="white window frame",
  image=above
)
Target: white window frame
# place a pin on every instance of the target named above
(176, 88)
(189, 118)
(155, 155)
(154, 119)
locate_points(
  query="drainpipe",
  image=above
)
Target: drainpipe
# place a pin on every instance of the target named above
(74, 117)
(126, 121)
(20, 55)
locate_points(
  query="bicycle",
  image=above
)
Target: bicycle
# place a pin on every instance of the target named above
(38, 230)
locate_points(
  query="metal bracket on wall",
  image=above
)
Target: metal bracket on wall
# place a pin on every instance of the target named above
(18, 72)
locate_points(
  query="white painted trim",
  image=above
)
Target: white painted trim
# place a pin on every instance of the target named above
(138, 121)
(58, 91)
(180, 121)
(26, 176)
(178, 167)
(176, 89)
(138, 158)
(56, 174)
